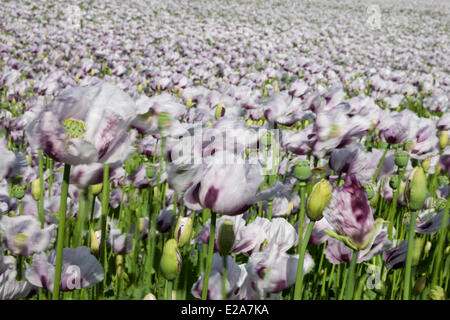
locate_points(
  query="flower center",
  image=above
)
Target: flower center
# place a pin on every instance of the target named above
(19, 241)
(75, 128)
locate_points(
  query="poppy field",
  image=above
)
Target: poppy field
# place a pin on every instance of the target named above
(224, 150)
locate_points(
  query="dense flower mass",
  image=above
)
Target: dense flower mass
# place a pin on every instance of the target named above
(233, 150)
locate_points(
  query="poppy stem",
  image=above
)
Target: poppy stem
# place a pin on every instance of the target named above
(302, 244)
(105, 206)
(351, 276)
(61, 226)
(440, 246)
(41, 188)
(409, 255)
(212, 234)
(380, 165)
(224, 278)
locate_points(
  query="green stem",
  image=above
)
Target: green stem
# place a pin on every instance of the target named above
(380, 165)
(407, 282)
(440, 246)
(60, 240)
(105, 207)
(212, 234)
(351, 277)
(169, 286)
(302, 244)
(224, 278)
(41, 186)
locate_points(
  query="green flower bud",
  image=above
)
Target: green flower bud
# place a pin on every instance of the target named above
(18, 191)
(183, 231)
(420, 285)
(139, 88)
(401, 158)
(443, 139)
(95, 245)
(416, 189)
(119, 265)
(226, 237)
(220, 111)
(188, 103)
(36, 189)
(19, 241)
(318, 200)
(97, 188)
(302, 171)
(437, 293)
(171, 260)
(419, 244)
(394, 182)
(426, 164)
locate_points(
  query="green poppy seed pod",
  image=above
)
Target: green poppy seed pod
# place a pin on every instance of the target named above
(401, 158)
(302, 171)
(139, 88)
(249, 122)
(318, 200)
(447, 251)
(96, 188)
(220, 111)
(427, 247)
(260, 122)
(419, 285)
(77, 79)
(171, 260)
(150, 171)
(369, 190)
(183, 231)
(36, 189)
(383, 145)
(426, 164)
(419, 244)
(443, 139)
(226, 237)
(188, 103)
(443, 180)
(266, 139)
(437, 293)
(18, 192)
(164, 121)
(416, 189)
(394, 182)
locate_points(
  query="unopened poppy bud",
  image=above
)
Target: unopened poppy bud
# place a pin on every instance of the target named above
(426, 164)
(302, 171)
(183, 231)
(119, 265)
(220, 111)
(226, 237)
(443, 139)
(97, 188)
(401, 158)
(418, 250)
(189, 103)
(18, 192)
(95, 245)
(36, 189)
(318, 200)
(437, 293)
(416, 189)
(420, 285)
(171, 260)
(393, 182)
